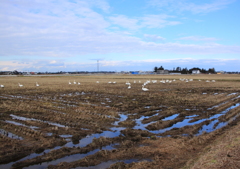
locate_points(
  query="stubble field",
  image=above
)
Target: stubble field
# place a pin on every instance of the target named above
(181, 121)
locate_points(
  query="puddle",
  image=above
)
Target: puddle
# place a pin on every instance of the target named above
(20, 124)
(226, 110)
(70, 158)
(10, 135)
(210, 127)
(170, 117)
(87, 140)
(185, 122)
(49, 134)
(32, 119)
(141, 126)
(191, 116)
(65, 135)
(122, 118)
(231, 94)
(217, 105)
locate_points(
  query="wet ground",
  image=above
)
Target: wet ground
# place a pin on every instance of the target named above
(101, 125)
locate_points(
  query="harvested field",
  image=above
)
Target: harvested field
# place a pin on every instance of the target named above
(102, 122)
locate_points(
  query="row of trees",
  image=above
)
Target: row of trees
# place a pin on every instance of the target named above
(186, 70)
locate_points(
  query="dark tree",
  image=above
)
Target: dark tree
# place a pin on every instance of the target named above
(211, 70)
(184, 71)
(160, 68)
(15, 72)
(178, 69)
(203, 70)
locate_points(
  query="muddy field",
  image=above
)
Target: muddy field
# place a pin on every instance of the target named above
(113, 121)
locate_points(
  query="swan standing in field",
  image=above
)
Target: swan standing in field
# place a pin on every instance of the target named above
(79, 83)
(2, 86)
(97, 81)
(69, 82)
(144, 89)
(20, 85)
(74, 82)
(129, 87)
(37, 84)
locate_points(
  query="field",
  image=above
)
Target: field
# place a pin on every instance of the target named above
(181, 121)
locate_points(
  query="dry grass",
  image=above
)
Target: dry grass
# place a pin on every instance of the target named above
(96, 106)
(222, 153)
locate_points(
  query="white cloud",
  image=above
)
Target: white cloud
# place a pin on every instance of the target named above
(199, 38)
(153, 37)
(125, 22)
(158, 21)
(147, 21)
(187, 5)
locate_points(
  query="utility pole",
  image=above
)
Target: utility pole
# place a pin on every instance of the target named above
(98, 65)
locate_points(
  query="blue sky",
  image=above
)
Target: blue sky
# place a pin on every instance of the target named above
(124, 35)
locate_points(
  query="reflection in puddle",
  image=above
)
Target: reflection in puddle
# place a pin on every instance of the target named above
(10, 135)
(32, 119)
(70, 158)
(65, 135)
(20, 124)
(170, 117)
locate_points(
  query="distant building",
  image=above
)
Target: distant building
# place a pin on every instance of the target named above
(134, 73)
(196, 72)
(162, 72)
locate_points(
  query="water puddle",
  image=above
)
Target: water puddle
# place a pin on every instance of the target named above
(185, 122)
(170, 117)
(32, 119)
(20, 124)
(68, 159)
(122, 118)
(87, 140)
(65, 135)
(10, 135)
(140, 125)
(231, 94)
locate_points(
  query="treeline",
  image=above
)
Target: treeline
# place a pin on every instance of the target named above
(186, 70)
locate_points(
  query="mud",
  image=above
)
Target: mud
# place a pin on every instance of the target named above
(109, 125)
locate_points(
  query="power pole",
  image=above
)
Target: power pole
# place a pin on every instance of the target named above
(98, 65)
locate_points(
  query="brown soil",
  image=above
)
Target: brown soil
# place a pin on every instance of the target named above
(106, 122)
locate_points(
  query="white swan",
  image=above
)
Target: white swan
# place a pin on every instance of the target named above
(37, 84)
(69, 82)
(144, 89)
(20, 85)
(2, 86)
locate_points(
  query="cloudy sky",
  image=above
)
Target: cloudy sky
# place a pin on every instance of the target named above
(124, 35)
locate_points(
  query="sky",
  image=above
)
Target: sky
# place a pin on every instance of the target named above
(122, 35)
